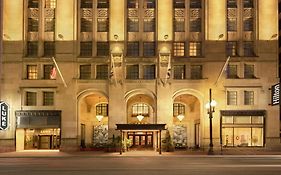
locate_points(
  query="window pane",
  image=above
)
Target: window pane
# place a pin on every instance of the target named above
(195, 25)
(49, 24)
(102, 109)
(179, 72)
(149, 71)
(231, 98)
(179, 3)
(195, 3)
(32, 48)
(178, 109)
(149, 3)
(196, 72)
(49, 48)
(227, 136)
(232, 71)
(179, 25)
(242, 120)
(194, 49)
(257, 119)
(103, 25)
(249, 71)
(257, 136)
(231, 3)
(86, 48)
(132, 49)
(132, 4)
(86, 3)
(31, 72)
(86, 25)
(47, 71)
(31, 98)
(149, 49)
(231, 48)
(248, 24)
(140, 108)
(242, 136)
(85, 71)
(132, 72)
(33, 24)
(231, 24)
(227, 120)
(249, 97)
(102, 72)
(133, 25)
(33, 3)
(103, 4)
(179, 49)
(48, 98)
(248, 3)
(102, 48)
(149, 25)
(249, 48)
(50, 4)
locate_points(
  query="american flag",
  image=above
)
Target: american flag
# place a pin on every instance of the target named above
(53, 73)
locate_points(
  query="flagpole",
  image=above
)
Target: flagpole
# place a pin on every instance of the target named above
(222, 70)
(168, 73)
(65, 85)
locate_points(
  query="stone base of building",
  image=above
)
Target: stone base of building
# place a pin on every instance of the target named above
(69, 145)
(7, 145)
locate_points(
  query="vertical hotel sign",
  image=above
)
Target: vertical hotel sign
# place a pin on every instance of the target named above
(4, 115)
(275, 94)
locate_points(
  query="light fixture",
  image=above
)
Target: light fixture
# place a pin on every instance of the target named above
(166, 37)
(140, 117)
(99, 116)
(115, 37)
(60, 36)
(180, 116)
(213, 104)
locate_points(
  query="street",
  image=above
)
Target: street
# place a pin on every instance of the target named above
(137, 165)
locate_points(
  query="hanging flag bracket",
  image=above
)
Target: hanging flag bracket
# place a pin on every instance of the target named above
(57, 67)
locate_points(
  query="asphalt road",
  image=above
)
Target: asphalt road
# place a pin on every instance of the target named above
(137, 165)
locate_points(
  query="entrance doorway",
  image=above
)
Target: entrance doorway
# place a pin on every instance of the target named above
(141, 140)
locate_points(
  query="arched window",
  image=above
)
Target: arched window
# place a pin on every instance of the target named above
(178, 108)
(102, 109)
(140, 108)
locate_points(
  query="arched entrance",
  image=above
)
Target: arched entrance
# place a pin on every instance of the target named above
(186, 121)
(93, 120)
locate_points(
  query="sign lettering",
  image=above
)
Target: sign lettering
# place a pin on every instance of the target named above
(275, 94)
(4, 115)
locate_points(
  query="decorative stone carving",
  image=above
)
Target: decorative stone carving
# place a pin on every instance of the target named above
(86, 13)
(149, 13)
(248, 36)
(195, 13)
(179, 13)
(180, 136)
(232, 13)
(195, 36)
(133, 13)
(86, 36)
(33, 13)
(103, 13)
(49, 13)
(148, 36)
(100, 136)
(248, 13)
(49, 36)
(32, 36)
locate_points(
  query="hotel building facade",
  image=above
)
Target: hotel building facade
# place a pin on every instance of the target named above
(72, 70)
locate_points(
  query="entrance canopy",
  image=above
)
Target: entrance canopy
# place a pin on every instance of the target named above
(142, 127)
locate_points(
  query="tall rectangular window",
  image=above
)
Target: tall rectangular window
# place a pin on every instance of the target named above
(194, 49)
(48, 98)
(249, 48)
(86, 48)
(179, 72)
(33, 3)
(196, 72)
(179, 25)
(85, 71)
(179, 49)
(47, 71)
(132, 4)
(33, 24)
(32, 73)
(86, 25)
(248, 24)
(86, 4)
(195, 25)
(248, 3)
(133, 25)
(232, 24)
(49, 48)
(231, 48)
(103, 4)
(149, 71)
(148, 24)
(248, 97)
(195, 3)
(179, 3)
(49, 25)
(231, 3)
(102, 109)
(148, 49)
(133, 49)
(102, 48)
(103, 25)
(32, 48)
(149, 3)
(132, 72)
(30, 99)
(102, 72)
(231, 98)
(249, 71)
(232, 71)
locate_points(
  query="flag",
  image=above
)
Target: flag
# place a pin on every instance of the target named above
(223, 70)
(53, 73)
(168, 74)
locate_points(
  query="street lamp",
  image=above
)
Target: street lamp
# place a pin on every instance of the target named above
(210, 106)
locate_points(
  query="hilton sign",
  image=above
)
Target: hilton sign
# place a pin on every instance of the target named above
(4, 115)
(275, 94)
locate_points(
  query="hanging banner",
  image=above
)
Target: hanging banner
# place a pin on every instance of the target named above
(275, 94)
(4, 115)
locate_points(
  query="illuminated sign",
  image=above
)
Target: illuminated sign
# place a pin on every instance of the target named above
(275, 94)
(4, 115)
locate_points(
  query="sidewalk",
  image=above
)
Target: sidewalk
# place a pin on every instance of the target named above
(187, 153)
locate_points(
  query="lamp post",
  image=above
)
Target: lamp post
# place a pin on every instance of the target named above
(210, 106)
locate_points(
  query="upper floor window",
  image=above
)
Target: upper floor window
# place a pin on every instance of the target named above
(195, 3)
(133, 49)
(31, 99)
(86, 4)
(33, 3)
(103, 4)
(178, 109)
(179, 3)
(102, 72)
(85, 71)
(140, 109)
(179, 49)
(194, 49)
(179, 72)
(48, 98)
(248, 3)
(196, 72)
(231, 97)
(231, 48)
(231, 3)
(132, 4)
(149, 25)
(102, 109)
(249, 48)
(249, 71)
(48, 71)
(32, 73)
(149, 71)
(248, 97)
(103, 25)
(248, 24)
(133, 25)
(102, 48)
(148, 49)
(195, 25)
(179, 24)
(86, 48)
(149, 4)
(132, 72)
(32, 48)
(49, 48)
(232, 71)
